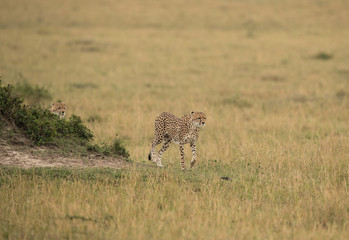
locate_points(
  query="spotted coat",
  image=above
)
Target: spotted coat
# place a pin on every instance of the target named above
(182, 131)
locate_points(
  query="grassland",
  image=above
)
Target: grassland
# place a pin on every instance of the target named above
(272, 77)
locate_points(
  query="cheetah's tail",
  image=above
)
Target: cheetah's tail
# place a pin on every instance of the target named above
(149, 157)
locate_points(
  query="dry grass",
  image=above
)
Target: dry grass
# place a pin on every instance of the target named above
(272, 77)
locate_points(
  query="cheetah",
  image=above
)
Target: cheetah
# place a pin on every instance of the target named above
(182, 130)
(59, 109)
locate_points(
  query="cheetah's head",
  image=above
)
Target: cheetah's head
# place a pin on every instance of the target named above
(198, 119)
(59, 109)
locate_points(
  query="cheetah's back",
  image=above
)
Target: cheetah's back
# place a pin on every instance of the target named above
(166, 125)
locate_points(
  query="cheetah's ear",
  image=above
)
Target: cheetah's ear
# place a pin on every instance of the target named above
(52, 103)
(192, 112)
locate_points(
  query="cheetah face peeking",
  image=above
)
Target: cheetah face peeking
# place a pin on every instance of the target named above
(198, 119)
(59, 109)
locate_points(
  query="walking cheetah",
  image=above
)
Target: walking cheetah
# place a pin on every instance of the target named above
(182, 130)
(59, 109)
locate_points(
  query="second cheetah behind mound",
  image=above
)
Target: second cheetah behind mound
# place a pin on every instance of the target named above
(182, 130)
(59, 109)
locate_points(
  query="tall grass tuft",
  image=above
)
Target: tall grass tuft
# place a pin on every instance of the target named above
(35, 95)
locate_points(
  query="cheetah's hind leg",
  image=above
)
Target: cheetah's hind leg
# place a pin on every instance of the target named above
(153, 155)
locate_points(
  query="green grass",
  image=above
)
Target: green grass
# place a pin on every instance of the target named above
(58, 174)
(116, 201)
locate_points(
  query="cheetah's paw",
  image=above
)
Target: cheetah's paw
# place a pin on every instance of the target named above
(160, 165)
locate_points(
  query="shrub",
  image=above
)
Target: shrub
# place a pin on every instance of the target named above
(38, 124)
(116, 148)
(323, 56)
(75, 128)
(8, 102)
(42, 127)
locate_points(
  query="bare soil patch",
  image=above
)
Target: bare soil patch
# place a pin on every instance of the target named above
(19, 157)
(16, 150)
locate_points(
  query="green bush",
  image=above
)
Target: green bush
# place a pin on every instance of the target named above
(9, 103)
(116, 148)
(38, 124)
(323, 56)
(42, 127)
(74, 128)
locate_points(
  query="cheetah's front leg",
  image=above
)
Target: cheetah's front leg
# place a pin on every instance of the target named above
(181, 149)
(193, 150)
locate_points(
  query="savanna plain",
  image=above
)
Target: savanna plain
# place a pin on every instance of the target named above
(272, 77)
